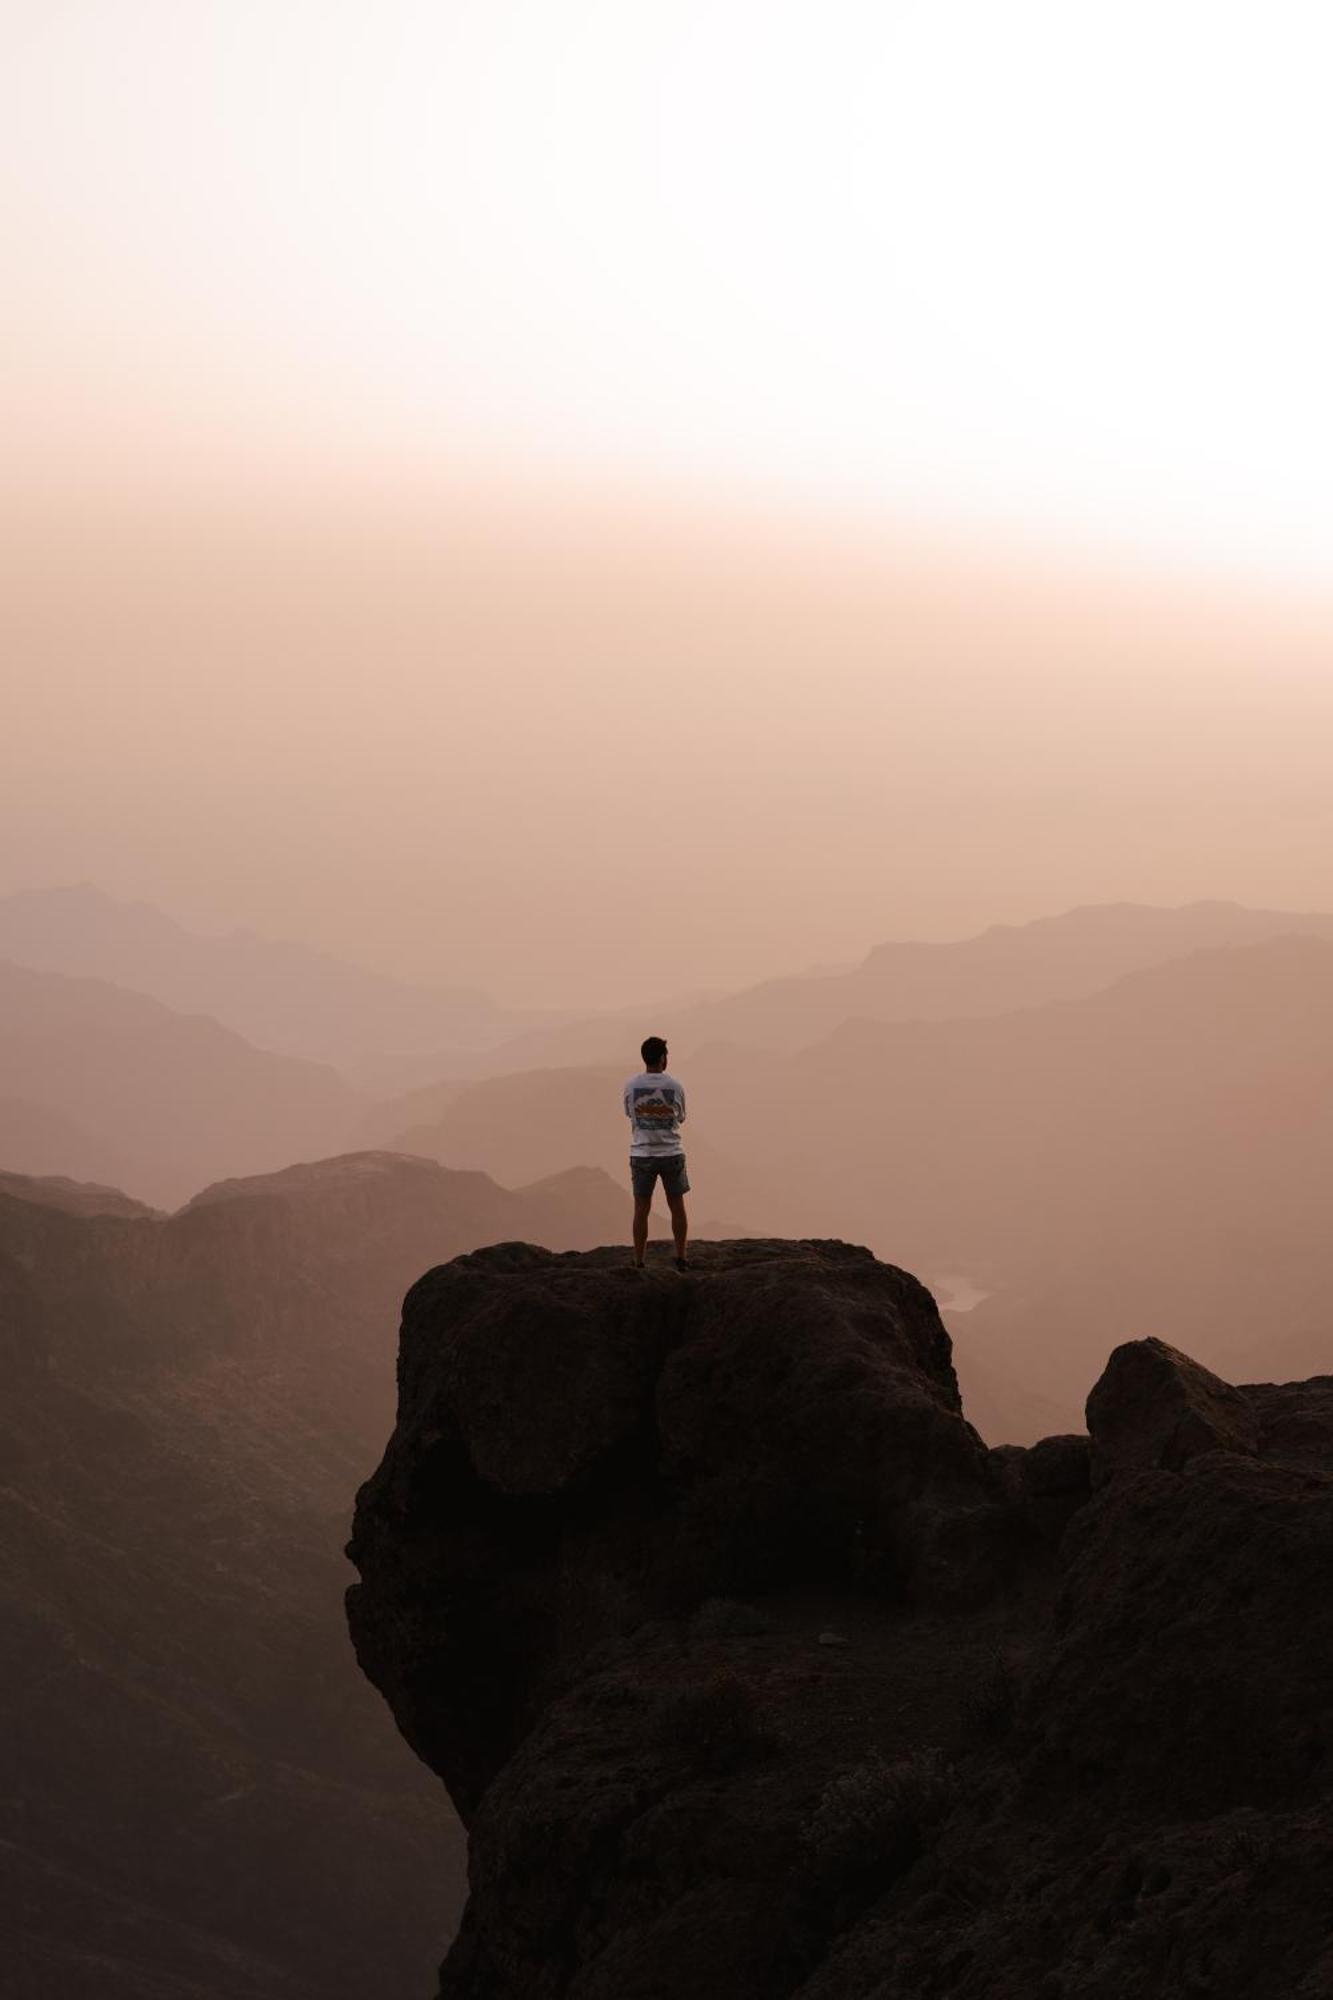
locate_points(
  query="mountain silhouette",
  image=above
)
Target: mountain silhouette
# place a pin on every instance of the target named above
(1005, 967)
(279, 995)
(203, 1800)
(150, 1099)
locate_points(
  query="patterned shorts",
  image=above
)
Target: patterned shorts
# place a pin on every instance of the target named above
(643, 1172)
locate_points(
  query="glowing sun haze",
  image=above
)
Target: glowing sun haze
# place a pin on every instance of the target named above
(1043, 262)
(603, 499)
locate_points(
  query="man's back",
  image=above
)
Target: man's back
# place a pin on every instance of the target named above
(655, 1107)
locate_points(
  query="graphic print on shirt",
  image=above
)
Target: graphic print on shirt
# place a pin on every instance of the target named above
(656, 1110)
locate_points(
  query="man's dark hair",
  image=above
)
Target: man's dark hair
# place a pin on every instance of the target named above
(653, 1050)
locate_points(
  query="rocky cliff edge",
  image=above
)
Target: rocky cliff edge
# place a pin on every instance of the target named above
(756, 1675)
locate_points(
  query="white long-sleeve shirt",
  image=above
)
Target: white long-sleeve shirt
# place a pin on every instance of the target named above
(655, 1107)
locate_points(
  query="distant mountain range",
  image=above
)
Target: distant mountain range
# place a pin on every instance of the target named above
(105, 1084)
(1007, 966)
(72, 1197)
(852, 1103)
(379, 1032)
(202, 1798)
(38, 1139)
(1178, 1120)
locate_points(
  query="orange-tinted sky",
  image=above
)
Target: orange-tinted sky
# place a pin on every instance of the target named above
(1038, 263)
(606, 502)
(585, 752)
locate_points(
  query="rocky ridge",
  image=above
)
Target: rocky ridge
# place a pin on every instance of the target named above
(755, 1674)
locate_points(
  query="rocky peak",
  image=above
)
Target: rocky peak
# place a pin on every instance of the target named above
(757, 1677)
(587, 1447)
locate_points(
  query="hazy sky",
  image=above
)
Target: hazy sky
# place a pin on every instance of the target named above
(597, 755)
(471, 467)
(1047, 260)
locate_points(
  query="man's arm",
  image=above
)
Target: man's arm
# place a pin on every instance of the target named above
(680, 1095)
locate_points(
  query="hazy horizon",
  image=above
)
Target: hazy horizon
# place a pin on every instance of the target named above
(597, 507)
(595, 755)
(209, 925)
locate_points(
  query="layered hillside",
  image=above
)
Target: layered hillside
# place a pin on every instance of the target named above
(203, 1800)
(101, 1083)
(757, 1676)
(1008, 966)
(279, 995)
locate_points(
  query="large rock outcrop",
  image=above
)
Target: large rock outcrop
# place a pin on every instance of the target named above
(757, 1676)
(583, 1448)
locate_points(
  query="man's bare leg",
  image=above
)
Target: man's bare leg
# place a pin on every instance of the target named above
(642, 1204)
(680, 1227)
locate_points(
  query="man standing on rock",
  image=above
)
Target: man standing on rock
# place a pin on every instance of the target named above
(655, 1107)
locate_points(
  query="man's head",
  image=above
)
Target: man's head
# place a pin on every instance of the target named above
(654, 1053)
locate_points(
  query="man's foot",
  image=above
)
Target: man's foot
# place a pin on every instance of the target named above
(683, 1264)
(638, 1263)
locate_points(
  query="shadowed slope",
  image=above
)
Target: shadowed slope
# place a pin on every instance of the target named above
(205, 1800)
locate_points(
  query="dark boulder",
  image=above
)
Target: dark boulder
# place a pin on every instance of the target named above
(1188, 1665)
(1155, 1408)
(1045, 1483)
